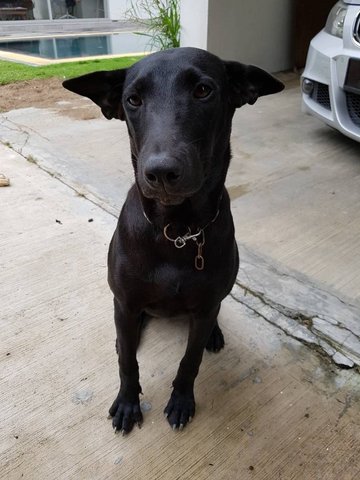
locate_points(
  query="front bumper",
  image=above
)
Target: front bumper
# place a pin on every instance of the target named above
(327, 65)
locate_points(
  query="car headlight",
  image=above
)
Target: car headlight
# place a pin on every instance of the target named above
(336, 19)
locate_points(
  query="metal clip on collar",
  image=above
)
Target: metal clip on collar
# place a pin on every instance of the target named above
(180, 242)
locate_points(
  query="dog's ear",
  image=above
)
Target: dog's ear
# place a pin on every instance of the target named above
(103, 88)
(248, 83)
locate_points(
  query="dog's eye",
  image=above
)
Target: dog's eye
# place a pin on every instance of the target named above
(202, 91)
(134, 100)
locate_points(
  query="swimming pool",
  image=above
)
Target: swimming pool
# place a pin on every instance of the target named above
(68, 47)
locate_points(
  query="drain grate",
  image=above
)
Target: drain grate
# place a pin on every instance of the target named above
(321, 95)
(353, 105)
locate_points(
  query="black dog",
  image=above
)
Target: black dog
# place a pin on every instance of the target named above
(173, 251)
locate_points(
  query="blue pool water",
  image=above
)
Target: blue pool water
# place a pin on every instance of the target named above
(81, 46)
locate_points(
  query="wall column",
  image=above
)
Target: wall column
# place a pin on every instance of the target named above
(194, 23)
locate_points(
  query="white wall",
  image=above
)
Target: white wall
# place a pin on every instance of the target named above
(115, 9)
(258, 32)
(194, 23)
(41, 11)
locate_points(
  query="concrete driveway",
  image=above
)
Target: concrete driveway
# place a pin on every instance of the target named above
(277, 403)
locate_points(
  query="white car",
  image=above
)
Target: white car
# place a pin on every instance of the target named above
(331, 79)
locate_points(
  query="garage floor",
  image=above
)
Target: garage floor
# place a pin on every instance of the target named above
(268, 407)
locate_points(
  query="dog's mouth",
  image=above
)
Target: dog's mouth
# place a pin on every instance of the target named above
(162, 196)
(168, 199)
(171, 201)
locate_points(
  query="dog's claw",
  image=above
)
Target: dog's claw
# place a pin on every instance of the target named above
(115, 430)
(180, 410)
(125, 415)
(190, 419)
(109, 417)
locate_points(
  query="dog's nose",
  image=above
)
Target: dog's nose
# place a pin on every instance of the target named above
(160, 170)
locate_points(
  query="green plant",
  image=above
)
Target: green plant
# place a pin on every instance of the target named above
(162, 22)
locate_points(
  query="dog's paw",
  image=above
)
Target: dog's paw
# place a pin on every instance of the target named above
(125, 415)
(216, 341)
(180, 409)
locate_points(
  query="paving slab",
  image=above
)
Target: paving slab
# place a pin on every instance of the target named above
(268, 407)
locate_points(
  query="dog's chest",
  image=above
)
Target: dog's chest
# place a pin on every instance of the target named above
(172, 290)
(181, 283)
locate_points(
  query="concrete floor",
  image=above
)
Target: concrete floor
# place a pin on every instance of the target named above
(269, 407)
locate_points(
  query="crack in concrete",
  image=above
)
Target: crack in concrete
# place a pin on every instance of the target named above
(279, 308)
(322, 343)
(22, 128)
(315, 346)
(347, 404)
(27, 138)
(304, 282)
(295, 315)
(90, 197)
(301, 317)
(6, 120)
(22, 141)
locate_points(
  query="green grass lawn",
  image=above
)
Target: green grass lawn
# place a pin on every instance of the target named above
(11, 72)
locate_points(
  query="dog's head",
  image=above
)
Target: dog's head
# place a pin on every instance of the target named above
(178, 105)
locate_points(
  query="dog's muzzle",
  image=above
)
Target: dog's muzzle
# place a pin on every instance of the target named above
(164, 178)
(161, 172)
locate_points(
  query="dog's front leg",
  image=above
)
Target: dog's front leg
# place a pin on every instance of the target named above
(181, 406)
(126, 408)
